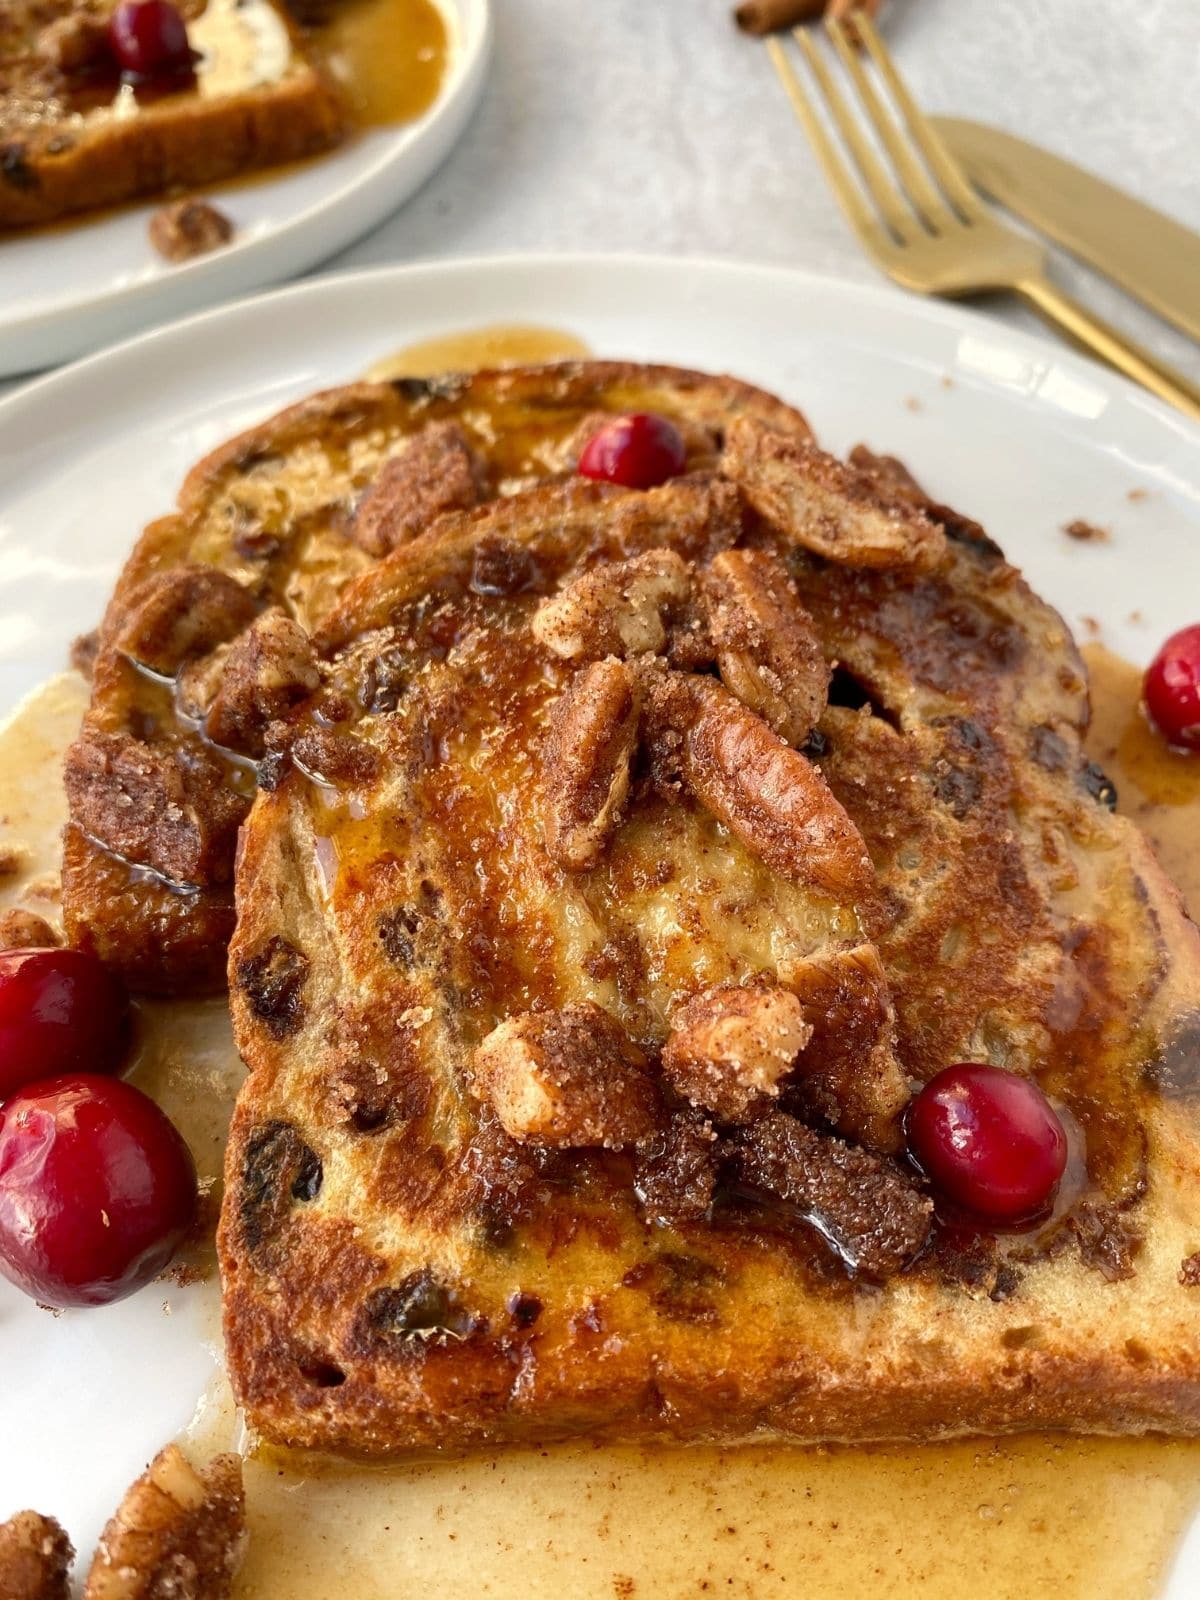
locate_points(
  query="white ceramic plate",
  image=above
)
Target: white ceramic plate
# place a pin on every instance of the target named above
(74, 288)
(1019, 433)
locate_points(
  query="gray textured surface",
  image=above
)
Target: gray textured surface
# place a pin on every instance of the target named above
(654, 125)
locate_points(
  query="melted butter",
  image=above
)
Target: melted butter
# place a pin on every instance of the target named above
(387, 56)
(1031, 1518)
(498, 345)
(1157, 788)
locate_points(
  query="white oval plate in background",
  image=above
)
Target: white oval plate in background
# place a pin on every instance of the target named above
(81, 284)
(1021, 434)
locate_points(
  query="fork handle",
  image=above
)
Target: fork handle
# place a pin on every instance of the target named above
(1105, 341)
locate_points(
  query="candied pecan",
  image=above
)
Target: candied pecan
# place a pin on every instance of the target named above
(165, 807)
(898, 482)
(873, 1215)
(1189, 1271)
(676, 1170)
(177, 1532)
(181, 614)
(614, 610)
(814, 500)
(731, 1046)
(183, 229)
(773, 799)
(257, 679)
(566, 1078)
(848, 1072)
(338, 759)
(587, 759)
(22, 930)
(433, 471)
(765, 641)
(35, 1558)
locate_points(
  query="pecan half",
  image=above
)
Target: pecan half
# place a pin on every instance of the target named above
(848, 1073)
(773, 799)
(588, 756)
(765, 641)
(179, 615)
(566, 1078)
(730, 1047)
(35, 1558)
(244, 686)
(432, 472)
(169, 808)
(177, 1532)
(872, 1214)
(814, 500)
(618, 609)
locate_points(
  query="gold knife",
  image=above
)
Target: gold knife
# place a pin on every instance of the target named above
(1152, 257)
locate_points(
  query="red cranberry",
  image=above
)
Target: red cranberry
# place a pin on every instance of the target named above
(60, 1011)
(148, 38)
(1172, 688)
(638, 451)
(989, 1140)
(96, 1190)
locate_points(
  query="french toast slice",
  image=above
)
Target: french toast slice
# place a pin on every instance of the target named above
(273, 524)
(580, 1023)
(74, 137)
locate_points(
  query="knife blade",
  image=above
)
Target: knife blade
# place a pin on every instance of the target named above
(1152, 257)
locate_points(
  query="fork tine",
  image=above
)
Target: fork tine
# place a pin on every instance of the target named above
(928, 203)
(879, 185)
(860, 216)
(941, 162)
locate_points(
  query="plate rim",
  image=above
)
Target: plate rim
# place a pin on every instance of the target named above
(946, 315)
(433, 134)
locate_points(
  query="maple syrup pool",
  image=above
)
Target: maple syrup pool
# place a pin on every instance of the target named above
(1028, 1518)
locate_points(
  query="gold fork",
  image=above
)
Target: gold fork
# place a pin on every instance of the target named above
(930, 231)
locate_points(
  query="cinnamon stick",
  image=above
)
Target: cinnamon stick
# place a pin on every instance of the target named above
(766, 16)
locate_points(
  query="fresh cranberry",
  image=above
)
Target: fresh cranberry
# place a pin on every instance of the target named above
(989, 1140)
(1172, 688)
(60, 1011)
(149, 39)
(637, 451)
(96, 1190)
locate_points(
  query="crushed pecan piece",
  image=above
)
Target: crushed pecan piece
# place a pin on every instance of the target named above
(1189, 1271)
(814, 500)
(257, 679)
(676, 1173)
(849, 1073)
(170, 809)
(338, 759)
(868, 1209)
(433, 471)
(773, 799)
(731, 1046)
(588, 756)
(566, 1078)
(35, 1558)
(618, 609)
(22, 930)
(178, 1532)
(182, 614)
(184, 229)
(765, 641)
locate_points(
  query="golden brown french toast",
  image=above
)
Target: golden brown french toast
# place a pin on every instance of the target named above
(75, 136)
(271, 526)
(637, 857)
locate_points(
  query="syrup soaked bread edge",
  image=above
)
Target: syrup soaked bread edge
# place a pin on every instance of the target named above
(166, 938)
